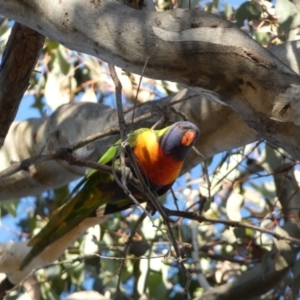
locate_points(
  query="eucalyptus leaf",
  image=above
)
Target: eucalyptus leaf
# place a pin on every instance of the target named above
(9, 206)
(250, 10)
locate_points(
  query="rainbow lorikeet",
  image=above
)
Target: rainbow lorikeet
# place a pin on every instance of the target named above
(159, 155)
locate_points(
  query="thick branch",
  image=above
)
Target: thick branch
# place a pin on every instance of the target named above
(12, 254)
(247, 77)
(19, 59)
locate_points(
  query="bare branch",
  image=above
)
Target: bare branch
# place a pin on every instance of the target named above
(201, 219)
(18, 61)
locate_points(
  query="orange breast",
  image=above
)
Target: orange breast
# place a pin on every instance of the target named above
(160, 168)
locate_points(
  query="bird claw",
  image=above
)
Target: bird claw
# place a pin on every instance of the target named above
(150, 208)
(128, 174)
(125, 143)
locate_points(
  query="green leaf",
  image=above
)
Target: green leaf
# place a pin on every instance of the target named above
(287, 13)
(209, 7)
(139, 248)
(157, 288)
(262, 37)
(249, 10)
(38, 84)
(185, 4)
(280, 262)
(9, 206)
(53, 272)
(77, 274)
(216, 3)
(63, 63)
(239, 232)
(48, 293)
(4, 28)
(228, 11)
(51, 45)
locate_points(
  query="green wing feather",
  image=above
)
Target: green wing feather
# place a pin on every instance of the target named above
(115, 150)
(66, 217)
(84, 203)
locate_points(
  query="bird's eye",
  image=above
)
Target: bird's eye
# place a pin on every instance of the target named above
(179, 126)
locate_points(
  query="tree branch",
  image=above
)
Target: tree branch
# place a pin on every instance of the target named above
(271, 109)
(12, 254)
(19, 59)
(72, 123)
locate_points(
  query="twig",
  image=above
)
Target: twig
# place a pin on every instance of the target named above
(239, 163)
(57, 154)
(206, 175)
(174, 198)
(118, 85)
(185, 98)
(180, 113)
(157, 123)
(140, 81)
(146, 191)
(200, 219)
(125, 146)
(127, 192)
(64, 154)
(195, 256)
(134, 230)
(121, 120)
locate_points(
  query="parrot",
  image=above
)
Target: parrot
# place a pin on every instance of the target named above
(159, 155)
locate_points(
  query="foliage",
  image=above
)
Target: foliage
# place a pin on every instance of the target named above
(242, 185)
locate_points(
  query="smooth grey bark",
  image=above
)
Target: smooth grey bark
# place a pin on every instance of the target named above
(71, 123)
(13, 253)
(197, 49)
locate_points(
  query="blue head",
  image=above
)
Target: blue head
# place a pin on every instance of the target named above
(178, 140)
